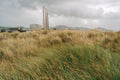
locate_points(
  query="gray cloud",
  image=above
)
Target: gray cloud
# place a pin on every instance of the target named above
(90, 13)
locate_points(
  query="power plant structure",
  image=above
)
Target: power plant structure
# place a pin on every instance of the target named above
(45, 19)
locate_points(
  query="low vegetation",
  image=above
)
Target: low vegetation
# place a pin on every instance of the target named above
(60, 55)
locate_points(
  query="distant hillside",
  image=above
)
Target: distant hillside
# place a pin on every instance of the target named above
(2, 27)
(102, 29)
(62, 27)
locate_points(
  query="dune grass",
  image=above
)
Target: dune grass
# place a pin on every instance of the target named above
(60, 55)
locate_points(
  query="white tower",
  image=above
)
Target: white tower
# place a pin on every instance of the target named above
(45, 19)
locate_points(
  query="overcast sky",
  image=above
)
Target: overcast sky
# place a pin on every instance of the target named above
(73, 13)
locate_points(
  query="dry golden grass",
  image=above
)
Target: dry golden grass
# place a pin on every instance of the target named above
(35, 55)
(29, 42)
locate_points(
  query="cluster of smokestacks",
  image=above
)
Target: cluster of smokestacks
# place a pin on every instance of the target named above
(45, 19)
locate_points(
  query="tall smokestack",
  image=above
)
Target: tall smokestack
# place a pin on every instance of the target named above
(45, 19)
